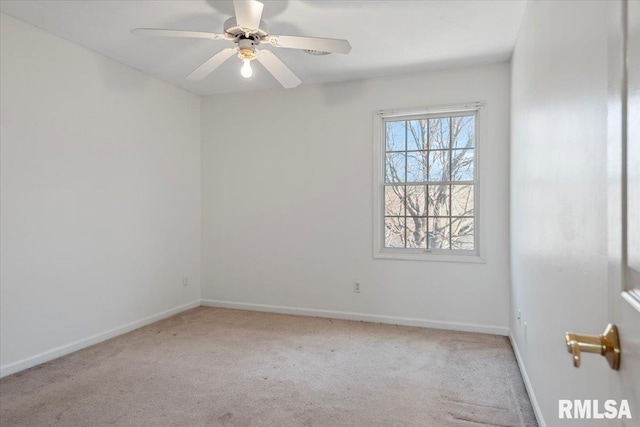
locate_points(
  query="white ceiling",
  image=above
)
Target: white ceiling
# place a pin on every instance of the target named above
(388, 37)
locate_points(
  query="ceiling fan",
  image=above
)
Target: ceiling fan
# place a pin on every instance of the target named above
(247, 31)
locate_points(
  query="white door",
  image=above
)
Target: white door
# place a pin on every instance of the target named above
(624, 201)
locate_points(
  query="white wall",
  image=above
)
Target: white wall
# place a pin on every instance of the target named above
(287, 203)
(558, 196)
(100, 196)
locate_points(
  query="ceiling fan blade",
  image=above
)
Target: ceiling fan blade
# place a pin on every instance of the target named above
(311, 43)
(248, 13)
(281, 72)
(158, 32)
(214, 62)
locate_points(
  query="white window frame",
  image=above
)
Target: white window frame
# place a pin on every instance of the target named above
(379, 151)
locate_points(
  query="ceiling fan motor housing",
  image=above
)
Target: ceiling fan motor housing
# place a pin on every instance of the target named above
(234, 31)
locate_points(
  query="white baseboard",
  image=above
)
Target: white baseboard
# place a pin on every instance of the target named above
(46, 356)
(374, 318)
(527, 383)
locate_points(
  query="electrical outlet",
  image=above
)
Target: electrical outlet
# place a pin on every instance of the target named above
(526, 327)
(356, 287)
(185, 280)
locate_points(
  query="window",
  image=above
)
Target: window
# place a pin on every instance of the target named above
(426, 184)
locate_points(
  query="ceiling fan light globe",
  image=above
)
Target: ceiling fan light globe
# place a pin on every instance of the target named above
(246, 70)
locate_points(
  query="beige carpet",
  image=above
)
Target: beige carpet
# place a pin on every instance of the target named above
(217, 367)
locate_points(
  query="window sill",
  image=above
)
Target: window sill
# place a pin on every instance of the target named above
(473, 258)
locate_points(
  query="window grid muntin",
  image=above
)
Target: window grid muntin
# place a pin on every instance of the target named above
(427, 165)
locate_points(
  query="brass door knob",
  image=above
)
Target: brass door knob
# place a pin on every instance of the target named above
(607, 345)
